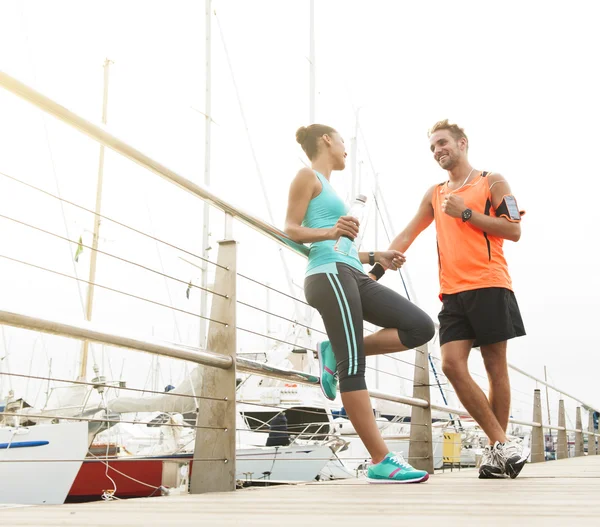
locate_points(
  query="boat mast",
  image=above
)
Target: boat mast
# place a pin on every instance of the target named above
(94, 254)
(312, 88)
(207, 133)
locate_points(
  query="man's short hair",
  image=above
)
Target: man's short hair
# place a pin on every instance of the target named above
(455, 131)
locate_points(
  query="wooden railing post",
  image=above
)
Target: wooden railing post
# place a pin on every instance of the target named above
(217, 441)
(420, 450)
(561, 447)
(591, 436)
(537, 433)
(579, 434)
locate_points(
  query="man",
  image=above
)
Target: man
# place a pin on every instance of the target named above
(474, 213)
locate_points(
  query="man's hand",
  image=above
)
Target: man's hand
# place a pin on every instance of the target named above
(454, 206)
(391, 259)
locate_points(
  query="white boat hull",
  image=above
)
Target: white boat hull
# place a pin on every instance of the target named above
(32, 466)
(289, 463)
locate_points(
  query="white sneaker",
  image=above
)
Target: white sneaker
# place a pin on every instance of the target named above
(491, 467)
(513, 455)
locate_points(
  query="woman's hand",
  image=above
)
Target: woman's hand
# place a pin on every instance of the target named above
(345, 226)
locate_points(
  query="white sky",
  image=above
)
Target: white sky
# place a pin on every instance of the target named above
(518, 76)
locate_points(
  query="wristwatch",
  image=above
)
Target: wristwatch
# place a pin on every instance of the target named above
(371, 258)
(466, 215)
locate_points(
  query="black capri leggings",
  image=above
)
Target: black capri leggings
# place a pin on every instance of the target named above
(347, 297)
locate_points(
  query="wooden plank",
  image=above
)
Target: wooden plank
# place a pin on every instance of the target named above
(555, 493)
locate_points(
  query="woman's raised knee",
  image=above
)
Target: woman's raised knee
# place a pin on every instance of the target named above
(419, 335)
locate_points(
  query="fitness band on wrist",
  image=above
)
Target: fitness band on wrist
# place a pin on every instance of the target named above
(377, 271)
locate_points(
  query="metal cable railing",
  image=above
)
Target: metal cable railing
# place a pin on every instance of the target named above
(93, 333)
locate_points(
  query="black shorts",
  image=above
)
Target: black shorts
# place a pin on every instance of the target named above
(486, 316)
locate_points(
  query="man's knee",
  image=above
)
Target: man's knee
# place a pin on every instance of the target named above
(495, 363)
(454, 368)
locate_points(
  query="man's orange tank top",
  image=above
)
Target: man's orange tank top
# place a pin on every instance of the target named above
(468, 258)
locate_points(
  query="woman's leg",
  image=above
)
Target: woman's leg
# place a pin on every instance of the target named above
(406, 326)
(336, 297)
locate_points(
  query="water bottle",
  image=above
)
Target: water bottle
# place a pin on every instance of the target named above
(357, 210)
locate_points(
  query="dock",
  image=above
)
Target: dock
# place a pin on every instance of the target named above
(564, 492)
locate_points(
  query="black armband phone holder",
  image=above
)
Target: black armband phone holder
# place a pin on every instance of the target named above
(377, 271)
(508, 209)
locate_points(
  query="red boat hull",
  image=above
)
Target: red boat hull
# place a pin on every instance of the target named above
(91, 481)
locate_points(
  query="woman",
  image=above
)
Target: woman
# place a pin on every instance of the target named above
(337, 286)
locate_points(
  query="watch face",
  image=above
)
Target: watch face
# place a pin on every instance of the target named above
(466, 215)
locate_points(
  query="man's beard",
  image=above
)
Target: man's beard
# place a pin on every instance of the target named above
(450, 163)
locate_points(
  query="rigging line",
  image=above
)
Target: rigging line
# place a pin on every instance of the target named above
(112, 289)
(390, 373)
(53, 165)
(162, 268)
(375, 197)
(254, 156)
(273, 289)
(116, 222)
(121, 473)
(389, 356)
(375, 191)
(125, 458)
(272, 338)
(107, 385)
(104, 420)
(280, 316)
(110, 254)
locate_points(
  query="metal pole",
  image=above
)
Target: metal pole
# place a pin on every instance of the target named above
(94, 256)
(207, 152)
(100, 334)
(547, 398)
(312, 94)
(354, 156)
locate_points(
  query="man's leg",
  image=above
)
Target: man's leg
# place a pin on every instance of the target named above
(455, 355)
(494, 359)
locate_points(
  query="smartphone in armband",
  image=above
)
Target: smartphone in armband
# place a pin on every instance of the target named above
(509, 209)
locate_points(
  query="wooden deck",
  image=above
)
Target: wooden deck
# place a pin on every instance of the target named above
(565, 493)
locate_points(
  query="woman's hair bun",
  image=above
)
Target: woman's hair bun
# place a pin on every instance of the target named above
(301, 134)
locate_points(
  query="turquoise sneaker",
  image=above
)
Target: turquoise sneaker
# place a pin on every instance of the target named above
(394, 469)
(327, 367)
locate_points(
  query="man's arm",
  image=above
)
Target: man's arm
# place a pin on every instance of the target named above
(502, 227)
(387, 259)
(417, 225)
(404, 240)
